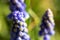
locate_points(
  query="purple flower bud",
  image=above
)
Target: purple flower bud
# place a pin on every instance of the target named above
(46, 37)
(10, 16)
(26, 15)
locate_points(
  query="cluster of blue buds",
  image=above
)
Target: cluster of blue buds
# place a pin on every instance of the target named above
(47, 25)
(18, 15)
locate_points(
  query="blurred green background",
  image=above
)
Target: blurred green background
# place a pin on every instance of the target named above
(36, 9)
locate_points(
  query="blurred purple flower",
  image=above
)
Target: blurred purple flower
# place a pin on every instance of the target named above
(47, 25)
(18, 14)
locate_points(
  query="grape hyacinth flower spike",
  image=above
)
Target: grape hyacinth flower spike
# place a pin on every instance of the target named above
(18, 15)
(47, 25)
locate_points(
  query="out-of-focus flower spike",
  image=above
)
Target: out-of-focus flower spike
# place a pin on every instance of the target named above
(19, 15)
(47, 26)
